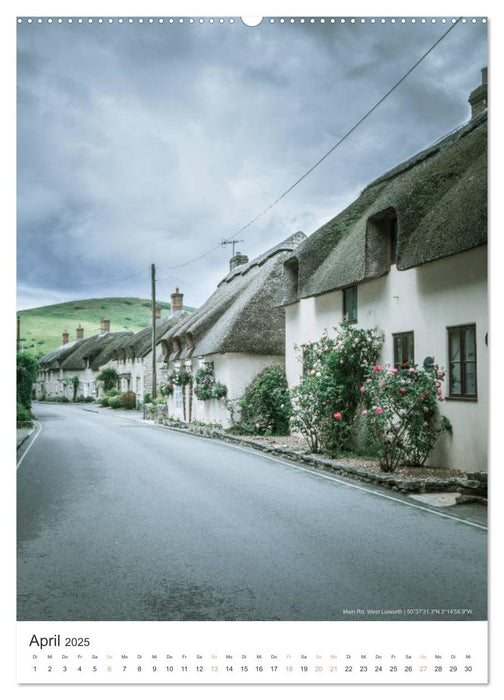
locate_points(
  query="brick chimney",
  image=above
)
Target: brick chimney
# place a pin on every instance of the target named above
(64, 339)
(237, 259)
(79, 332)
(105, 325)
(478, 99)
(158, 313)
(177, 302)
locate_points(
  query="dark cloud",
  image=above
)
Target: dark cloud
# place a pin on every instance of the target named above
(151, 143)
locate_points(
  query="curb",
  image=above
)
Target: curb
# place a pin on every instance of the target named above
(471, 488)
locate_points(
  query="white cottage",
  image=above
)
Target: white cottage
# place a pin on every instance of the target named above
(409, 256)
(235, 334)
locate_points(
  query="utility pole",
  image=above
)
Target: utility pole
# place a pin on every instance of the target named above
(153, 294)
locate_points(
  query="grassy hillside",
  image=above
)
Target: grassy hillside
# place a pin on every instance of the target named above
(41, 328)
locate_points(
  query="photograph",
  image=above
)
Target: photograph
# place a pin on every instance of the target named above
(252, 323)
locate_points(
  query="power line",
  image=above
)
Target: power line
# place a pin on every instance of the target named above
(326, 155)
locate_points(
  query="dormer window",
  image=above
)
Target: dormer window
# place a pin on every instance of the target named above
(392, 236)
(382, 242)
(291, 280)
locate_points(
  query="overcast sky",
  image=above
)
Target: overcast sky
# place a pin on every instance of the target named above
(150, 143)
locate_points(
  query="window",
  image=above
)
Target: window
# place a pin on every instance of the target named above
(350, 304)
(404, 350)
(382, 242)
(291, 280)
(462, 361)
(392, 236)
(178, 396)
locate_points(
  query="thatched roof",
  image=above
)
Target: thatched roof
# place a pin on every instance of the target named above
(140, 344)
(53, 359)
(241, 315)
(96, 350)
(440, 199)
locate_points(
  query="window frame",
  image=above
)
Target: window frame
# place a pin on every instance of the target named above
(463, 395)
(403, 335)
(345, 290)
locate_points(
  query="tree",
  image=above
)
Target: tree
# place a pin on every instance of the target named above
(109, 377)
(74, 381)
(26, 373)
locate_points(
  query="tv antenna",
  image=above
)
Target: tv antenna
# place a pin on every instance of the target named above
(233, 243)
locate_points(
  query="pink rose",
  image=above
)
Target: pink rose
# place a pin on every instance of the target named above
(363, 389)
(377, 368)
(425, 424)
(337, 415)
(379, 411)
(364, 412)
(402, 390)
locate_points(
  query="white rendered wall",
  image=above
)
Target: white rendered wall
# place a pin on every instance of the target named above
(235, 371)
(425, 300)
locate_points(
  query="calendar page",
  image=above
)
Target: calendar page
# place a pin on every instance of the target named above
(252, 347)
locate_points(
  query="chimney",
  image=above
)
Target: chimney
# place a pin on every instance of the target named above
(158, 313)
(79, 333)
(237, 259)
(177, 302)
(105, 325)
(64, 339)
(478, 99)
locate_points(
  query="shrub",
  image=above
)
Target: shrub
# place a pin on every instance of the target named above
(402, 413)
(114, 402)
(265, 405)
(26, 374)
(103, 400)
(128, 400)
(23, 414)
(326, 401)
(109, 377)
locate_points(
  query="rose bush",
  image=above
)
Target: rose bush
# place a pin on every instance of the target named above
(326, 401)
(402, 414)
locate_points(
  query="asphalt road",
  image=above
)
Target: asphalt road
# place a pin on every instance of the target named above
(118, 520)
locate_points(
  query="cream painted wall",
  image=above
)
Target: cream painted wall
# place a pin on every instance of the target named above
(425, 300)
(235, 371)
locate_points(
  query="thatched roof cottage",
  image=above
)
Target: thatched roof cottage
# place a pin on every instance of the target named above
(237, 332)
(82, 357)
(410, 257)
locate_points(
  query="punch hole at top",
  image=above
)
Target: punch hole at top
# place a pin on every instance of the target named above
(252, 21)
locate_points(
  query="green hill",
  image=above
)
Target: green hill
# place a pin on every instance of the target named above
(41, 328)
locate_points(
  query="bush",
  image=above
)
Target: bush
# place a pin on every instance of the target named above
(103, 400)
(128, 400)
(265, 405)
(23, 414)
(26, 374)
(402, 413)
(114, 402)
(325, 403)
(109, 377)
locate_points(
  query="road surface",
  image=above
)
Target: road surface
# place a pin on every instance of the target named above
(121, 520)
